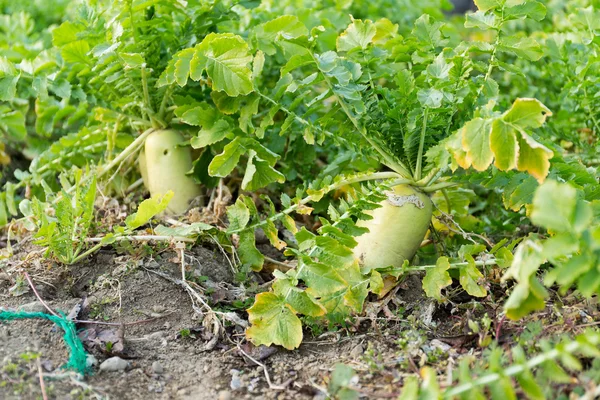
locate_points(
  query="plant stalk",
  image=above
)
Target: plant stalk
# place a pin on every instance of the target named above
(419, 167)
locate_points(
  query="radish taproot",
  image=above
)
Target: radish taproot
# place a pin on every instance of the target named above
(164, 165)
(396, 230)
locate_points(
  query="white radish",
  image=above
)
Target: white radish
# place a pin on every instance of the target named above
(163, 166)
(396, 230)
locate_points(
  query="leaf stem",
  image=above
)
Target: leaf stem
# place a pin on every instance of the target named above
(442, 185)
(419, 167)
(327, 189)
(388, 159)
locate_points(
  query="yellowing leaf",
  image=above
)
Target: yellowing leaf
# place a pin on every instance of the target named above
(476, 143)
(273, 322)
(503, 142)
(148, 209)
(533, 157)
(527, 113)
(437, 278)
(300, 301)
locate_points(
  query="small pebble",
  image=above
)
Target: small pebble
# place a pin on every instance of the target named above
(236, 382)
(114, 364)
(440, 345)
(34, 306)
(225, 395)
(91, 361)
(357, 351)
(157, 368)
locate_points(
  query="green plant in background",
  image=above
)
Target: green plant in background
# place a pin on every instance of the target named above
(484, 125)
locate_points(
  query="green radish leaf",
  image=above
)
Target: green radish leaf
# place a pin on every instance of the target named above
(132, 60)
(9, 76)
(76, 52)
(191, 230)
(238, 215)
(431, 98)
(481, 20)
(248, 253)
(529, 9)
(469, 279)
(437, 278)
(224, 163)
(65, 33)
(259, 173)
(210, 135)
(13, 123)
(148, 209)
(429, 31)
(525, 47)
(284, 27)
(273, 322)
(226, 59)
(357, 35)
(554, 206)
(486, 5)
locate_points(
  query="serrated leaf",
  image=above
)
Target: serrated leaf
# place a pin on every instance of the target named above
(476, 143)
(210, 135)
(224, 163)
(191, 230)
(286, 27)
(238, 215)
(529, 9)
(13, 123)
(469, 278)
(526, 47)
(226, 59)
(429, 31)
(359, 34)
(481, 20)
(300, 301)
(431, 98)
(273, 322)
(9, 76)
(76, 52)
(437, 278)
(486, 5)
(249, 255)
(259, 173)
(554, 206)
(148, 209)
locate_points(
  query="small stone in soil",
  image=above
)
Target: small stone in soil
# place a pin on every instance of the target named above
(224, 395)
(91, 361)
(236, 382)
(114, 364)
(34, 306)
(157, 368)
(357, 351)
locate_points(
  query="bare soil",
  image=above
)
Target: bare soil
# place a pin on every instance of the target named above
(172, 355)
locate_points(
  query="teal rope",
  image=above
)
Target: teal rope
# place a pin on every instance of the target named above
(77, 357)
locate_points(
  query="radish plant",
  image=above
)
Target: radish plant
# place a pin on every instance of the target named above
(373, 126)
